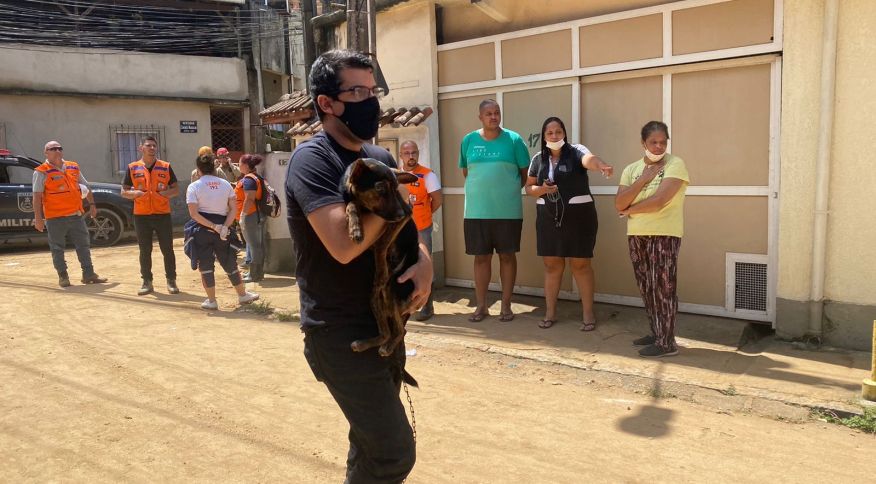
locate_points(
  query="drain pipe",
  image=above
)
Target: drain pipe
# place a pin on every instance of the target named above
(822, 168)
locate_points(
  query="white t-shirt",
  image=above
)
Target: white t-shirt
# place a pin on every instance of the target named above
(432, 183)
(211, 194)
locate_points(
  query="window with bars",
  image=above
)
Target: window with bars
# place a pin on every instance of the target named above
(125, 140)
(226, 126)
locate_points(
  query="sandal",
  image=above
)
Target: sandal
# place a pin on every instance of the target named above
(588, 326)
(505, 317)
(477, 317)
(546, 323)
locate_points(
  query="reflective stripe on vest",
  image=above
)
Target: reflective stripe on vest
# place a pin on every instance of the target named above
(419, 198)
(240, 195)
(61, 194)
(151, 183)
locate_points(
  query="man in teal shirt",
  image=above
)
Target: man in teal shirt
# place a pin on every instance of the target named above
(494, 161)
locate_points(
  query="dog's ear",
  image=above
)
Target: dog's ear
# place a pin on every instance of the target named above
(404, 177)
(358, 168)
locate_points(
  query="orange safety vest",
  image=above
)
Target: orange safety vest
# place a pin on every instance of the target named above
(419, 198)
(151, 183)
(240, 195)
(61, 194)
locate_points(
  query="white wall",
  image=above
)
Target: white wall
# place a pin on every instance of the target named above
(73, 70)
(82, 125)
(273, 170)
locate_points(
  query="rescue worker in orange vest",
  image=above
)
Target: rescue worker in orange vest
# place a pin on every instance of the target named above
(425, 198)
(57, 208)
(151, 183)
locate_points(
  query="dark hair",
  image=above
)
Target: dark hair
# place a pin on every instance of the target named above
(205, 164)
(251, 160)
(487, 102)
(545, 151)
(325, 74)
(148, 138)
(652, 127)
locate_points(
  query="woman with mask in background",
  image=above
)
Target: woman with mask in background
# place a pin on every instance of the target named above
(566, 222)
(651, 196)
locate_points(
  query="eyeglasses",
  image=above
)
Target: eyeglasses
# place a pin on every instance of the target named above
(361, 93)
(55, 148)
(410, 153)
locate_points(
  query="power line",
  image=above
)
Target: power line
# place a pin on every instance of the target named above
(153, 29)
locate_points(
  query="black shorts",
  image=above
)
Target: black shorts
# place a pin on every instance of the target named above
(483, 236)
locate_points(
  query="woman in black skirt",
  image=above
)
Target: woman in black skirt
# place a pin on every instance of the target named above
(565, 221)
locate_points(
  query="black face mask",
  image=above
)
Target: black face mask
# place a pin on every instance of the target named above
(362, 118)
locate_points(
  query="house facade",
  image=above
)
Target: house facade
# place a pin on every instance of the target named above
(767, 102)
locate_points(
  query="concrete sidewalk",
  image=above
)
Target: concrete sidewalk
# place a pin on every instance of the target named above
(766, 369)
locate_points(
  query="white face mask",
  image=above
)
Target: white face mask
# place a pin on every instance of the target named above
(555, 145)
(654, 158)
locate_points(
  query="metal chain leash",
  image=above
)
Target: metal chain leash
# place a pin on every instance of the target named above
(411, 406)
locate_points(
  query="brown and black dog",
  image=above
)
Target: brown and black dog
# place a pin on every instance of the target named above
(371, 186)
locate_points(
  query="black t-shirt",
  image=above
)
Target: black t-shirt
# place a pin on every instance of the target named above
(331, 293)
(129, 183)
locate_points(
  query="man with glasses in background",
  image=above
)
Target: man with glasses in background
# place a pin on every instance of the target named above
(225, 169)
(425, 198)
(57, 209)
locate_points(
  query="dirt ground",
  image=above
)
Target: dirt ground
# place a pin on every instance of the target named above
(100, 385)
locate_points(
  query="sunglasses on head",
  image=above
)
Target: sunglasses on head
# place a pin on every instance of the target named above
(55, 148)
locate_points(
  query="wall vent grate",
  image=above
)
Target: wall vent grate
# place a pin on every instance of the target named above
(751, 286)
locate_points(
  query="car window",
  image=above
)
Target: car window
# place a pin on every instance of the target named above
(20, 175)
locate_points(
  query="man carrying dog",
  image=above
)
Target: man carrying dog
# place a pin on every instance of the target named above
(335, 274)
(57, 208)
(151, 183)
(425, 197)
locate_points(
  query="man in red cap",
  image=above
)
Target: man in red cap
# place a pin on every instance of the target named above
(226, 169)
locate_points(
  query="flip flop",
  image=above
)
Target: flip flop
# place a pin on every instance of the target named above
(477, 317)
(505, 317)
(546, 323)
(588, 326)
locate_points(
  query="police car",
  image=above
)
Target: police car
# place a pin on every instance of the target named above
(16, 205)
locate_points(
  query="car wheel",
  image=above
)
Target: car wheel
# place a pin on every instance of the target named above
(106, 229)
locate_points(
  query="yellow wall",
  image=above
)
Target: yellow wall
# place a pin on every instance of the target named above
(851, 251)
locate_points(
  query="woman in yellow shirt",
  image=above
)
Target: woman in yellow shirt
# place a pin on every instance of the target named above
(651, 196)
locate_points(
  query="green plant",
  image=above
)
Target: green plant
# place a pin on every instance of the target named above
(259, 307)
(865, 422)
(729, 391)
(286, 316)
(657, 392)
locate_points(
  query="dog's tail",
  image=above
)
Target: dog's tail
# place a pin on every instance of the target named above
(410, 380)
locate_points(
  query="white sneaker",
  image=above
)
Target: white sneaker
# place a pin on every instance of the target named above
(209, 304)
(247, 298)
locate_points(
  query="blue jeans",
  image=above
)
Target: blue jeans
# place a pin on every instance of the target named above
(254, 232)
(58, 229)
(426, 235)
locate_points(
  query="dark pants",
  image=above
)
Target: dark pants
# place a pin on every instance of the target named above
(58, 230)
(145, 225)
(655, 264)
(366, 388)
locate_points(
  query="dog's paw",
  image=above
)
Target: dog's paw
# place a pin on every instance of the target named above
(358, 346)
(357, 236)
(385, 350)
